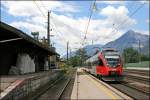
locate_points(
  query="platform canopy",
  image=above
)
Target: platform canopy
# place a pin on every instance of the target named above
(13, 37)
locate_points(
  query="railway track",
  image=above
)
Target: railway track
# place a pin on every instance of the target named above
(55, 90)
(43, 94)
(36, 95)
(142, 80)
(67, 90)
(139, 72)
(137, 79)
(140, 89)
(63, 89)
(133, 92)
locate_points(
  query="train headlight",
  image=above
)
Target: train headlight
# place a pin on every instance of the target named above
(107, 64)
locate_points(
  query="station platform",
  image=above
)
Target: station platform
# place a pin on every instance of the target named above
(19, 86)
(8, 80)
(86, 87)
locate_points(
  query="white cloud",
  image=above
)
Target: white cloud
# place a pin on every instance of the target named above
(112, 2)
(60, 6)
(21, 8)
(30, 26)
(76, 27)
(110, 10)
(39, 20)
(145, 32)
(118, 17)
(29, 8)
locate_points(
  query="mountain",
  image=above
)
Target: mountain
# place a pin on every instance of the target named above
(91, 49)
(131, 39)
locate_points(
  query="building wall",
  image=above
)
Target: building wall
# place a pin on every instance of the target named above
(25, 63)
(12, 63)
(46, 65)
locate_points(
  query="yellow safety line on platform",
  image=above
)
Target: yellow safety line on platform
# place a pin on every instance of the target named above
(100, 86)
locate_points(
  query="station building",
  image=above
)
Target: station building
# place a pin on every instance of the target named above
(22, 54)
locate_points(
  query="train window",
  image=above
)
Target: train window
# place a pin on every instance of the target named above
(100, 62)
(112, 61)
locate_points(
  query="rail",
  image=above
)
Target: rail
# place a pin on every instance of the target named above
(60, 94)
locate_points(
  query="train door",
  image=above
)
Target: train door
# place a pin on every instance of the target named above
(100, 67)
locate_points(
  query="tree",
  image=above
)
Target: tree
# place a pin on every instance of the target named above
(131, 55)
(79, 58)
(81, 53)
(74, 61)
(145, 57)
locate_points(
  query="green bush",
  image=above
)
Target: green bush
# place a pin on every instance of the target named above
(139, 64)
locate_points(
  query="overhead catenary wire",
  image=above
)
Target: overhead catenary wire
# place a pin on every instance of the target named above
(56, 30)
(134, 12)
(54, 27)
(88, 23)
(125, 21)
(86, 28)
(62, 23)
(129, 8)
(40, 9)
(43, 5)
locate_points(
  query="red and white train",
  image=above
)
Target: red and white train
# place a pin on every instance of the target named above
(106, 65)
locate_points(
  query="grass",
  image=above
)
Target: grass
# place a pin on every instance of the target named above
(143, 64)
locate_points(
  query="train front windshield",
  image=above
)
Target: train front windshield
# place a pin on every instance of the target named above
(112, 62)
(112, 59)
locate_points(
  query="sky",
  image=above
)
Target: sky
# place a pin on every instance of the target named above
(69, 19)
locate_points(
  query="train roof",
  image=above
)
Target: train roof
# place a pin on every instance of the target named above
(108, 49)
